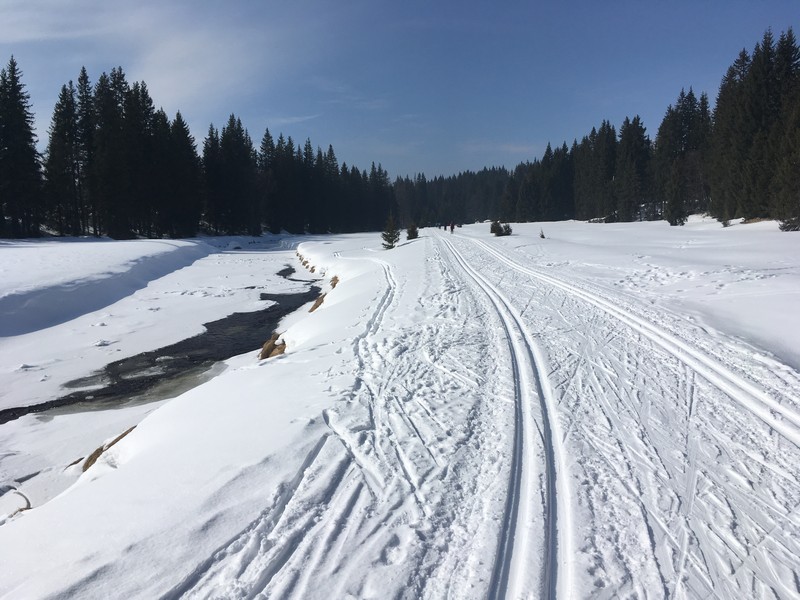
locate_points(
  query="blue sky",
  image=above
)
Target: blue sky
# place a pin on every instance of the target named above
(433, 87)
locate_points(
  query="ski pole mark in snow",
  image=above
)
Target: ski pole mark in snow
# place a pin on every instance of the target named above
(511, 576)
(747, 394)
(399, 491)
(688, 487)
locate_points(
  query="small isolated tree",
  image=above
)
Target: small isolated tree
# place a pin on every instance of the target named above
(412, 232)
(499, 230)
(390, 235)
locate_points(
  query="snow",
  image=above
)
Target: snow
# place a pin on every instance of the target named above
(613, 410)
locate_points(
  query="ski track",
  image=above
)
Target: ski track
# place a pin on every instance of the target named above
(406, 484)
(755, 399)
(600, 455)
(685, 447)
(511, 578)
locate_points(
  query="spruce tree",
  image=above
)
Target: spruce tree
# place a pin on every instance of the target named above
(212, 173)
(760, 113)
(185, 177)
(675, 211)
(729, 146)
(20, 173)
(680, 152)
(582, 184)
(109, 165)
(138, 116)
(390, 235)
(785, 136)
(165, 211)
(605, 162)
(61, 167)
(632, 169)
(238, 180)
(85, 149)
(786, 186)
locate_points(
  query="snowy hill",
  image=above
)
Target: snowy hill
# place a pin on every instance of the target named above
(613, 410)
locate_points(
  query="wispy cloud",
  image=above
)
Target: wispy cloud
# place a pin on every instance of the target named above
(194, 56)
(280, 121)
(27, 21)
(507, 148)
(336, 92)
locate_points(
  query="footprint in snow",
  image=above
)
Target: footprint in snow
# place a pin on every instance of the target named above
(393, 553)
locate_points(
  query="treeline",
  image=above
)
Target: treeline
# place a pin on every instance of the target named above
(117, 166)
(741, 160)
(461, 198)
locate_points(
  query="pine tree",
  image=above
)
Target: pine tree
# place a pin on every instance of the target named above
(675, 211)
(785, 136)
(212, 172)
(561, 184)
(238, 180)
(681, 152)
(85, 148)
(390, 235)
(109, 165)
(760, 113)
(266, 181)
(20, 173)
(786, 202)
(165, 211)
(61, 167)
(729, 147)
(605, 164)
(412, 232)
(632, 170)
(137, 129)
(185, 176)
(582, 185)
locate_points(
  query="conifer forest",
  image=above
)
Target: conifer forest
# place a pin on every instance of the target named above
(114, 165)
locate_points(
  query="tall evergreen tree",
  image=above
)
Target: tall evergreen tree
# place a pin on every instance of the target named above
(110, 168)
(785, 136)
(729, 146)
(582, 185)
(85, 148)
(605, 164)
(266, 180)
(162, 203)
(212, 174)
(138, 116)
(239, 192)
(760, 113)
(631, 180)
(62, 166)
(185, 179)
(20, 172)
(680, 157)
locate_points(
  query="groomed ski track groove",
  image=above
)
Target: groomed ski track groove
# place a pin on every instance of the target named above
(748, 395)
(530, 381)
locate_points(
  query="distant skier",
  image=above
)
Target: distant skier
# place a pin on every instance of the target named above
(452, 227)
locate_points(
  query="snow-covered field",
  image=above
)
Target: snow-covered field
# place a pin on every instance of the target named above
(612, 411)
